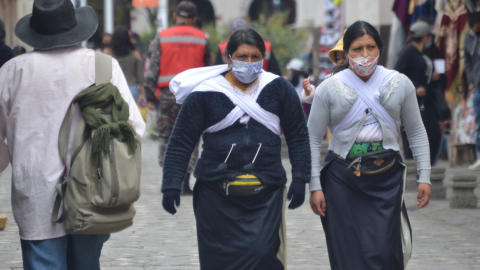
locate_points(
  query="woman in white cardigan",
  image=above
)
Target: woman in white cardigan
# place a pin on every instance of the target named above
(359, 191)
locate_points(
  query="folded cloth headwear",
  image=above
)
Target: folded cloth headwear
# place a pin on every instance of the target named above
(209, 79)
(366, 98)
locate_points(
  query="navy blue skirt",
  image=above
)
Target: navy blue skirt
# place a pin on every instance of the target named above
(239, 232)
(363, 223)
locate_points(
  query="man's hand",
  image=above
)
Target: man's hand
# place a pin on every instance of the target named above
(307, 86)
(424, 193)
(435, 76)
(421, 91)
(317, 202)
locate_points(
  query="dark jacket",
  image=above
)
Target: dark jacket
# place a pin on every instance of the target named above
(6, 53)
(204, 109)
(413, 65)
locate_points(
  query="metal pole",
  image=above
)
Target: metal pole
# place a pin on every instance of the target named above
(316, 55)
(108, 16)
(162, 16)
(82, 4)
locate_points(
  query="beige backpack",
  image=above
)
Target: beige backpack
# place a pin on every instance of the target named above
(96, 199)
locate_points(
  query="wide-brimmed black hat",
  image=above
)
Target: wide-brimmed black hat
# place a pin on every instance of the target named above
(56, 23)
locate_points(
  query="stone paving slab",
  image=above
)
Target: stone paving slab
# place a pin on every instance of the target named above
(444, 239)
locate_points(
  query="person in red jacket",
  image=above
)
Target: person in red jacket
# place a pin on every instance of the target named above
(269, 63)
(171, 52)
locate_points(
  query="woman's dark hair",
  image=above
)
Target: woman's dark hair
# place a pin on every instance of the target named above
(357, 30)
(121, 44)
(18, 50)
(246, 36)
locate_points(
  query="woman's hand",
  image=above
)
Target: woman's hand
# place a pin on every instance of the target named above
(151, 105)
(423, 197)
(421, 91)
(317, 202)
(435, 76)
(307, 86)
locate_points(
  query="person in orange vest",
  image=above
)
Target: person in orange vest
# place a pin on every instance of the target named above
(269, 63)
(171, 52)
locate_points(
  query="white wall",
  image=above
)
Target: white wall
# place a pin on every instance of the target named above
(227, 10)
(140, 22)
(309, 13)
(376, 12)
(24, 7)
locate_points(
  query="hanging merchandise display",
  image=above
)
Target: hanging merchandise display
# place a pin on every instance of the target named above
(330, 35)
(425, 9)
(453, 29)
(463, 129)
(400, 7)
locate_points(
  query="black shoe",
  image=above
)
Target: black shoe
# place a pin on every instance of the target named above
(185, 186)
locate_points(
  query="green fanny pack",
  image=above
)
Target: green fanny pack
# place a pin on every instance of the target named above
(243, 185)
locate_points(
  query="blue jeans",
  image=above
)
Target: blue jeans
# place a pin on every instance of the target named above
(134, 91)
(476, 107)
(72, 252)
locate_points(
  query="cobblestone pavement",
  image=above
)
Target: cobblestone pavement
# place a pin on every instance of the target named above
(443, 238)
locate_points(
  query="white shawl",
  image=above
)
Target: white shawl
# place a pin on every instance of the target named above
(366, 98)
(209, 79)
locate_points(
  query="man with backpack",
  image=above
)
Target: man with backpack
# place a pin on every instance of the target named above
(36, 92)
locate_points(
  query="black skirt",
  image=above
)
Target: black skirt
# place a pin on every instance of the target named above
(366, 224)
(240, 232)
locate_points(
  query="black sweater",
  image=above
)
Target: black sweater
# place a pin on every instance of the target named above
(204, 109)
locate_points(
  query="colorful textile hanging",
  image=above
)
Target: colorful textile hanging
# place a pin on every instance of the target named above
(400, 7)
(451, 35)
(414, 4)
(425, 10)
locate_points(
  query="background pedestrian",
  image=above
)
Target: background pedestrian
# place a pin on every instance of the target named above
(122, 50)
(173, 51)
(420, 70)
(6, 53)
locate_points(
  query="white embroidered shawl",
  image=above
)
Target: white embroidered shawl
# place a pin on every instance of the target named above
(209, 79)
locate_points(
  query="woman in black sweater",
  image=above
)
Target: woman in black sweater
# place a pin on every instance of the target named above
(240, 191)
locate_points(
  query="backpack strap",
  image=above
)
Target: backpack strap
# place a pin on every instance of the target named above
(103, 74)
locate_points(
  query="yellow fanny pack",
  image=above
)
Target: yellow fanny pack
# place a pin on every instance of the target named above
(243, 185)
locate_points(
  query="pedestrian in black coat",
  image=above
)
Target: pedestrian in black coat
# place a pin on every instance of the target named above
(6, 53)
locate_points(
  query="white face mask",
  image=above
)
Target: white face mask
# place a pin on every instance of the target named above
(246, 72)
(363, 66)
